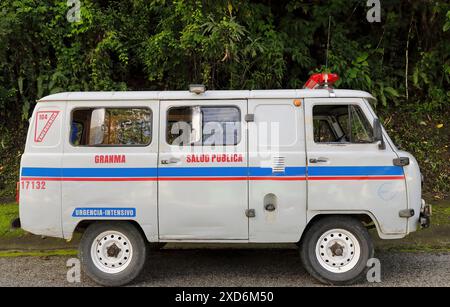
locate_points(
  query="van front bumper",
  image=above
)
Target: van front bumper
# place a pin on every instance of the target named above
(425, 215)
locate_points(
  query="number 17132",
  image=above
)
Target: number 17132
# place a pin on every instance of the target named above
(33, 185)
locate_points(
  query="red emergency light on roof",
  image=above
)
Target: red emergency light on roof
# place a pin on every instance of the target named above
(321, 80)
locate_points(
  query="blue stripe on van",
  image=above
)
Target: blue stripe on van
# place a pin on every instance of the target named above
(355, 171)
(41, 172)
(267, 171)
(163, 172)
(203, 172)
(210, 172)
(88, 172)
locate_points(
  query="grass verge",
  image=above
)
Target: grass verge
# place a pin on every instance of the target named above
(441, 213)
(12, 254)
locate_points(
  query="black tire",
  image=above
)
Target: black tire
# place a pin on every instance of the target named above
(312, 236)
(137, 261)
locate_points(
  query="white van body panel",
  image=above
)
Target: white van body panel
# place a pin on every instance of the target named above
(414, 187)
(203, 199)
(131, 185)
(277, 165)
(40, 199)
(206, 201)
(355, 176)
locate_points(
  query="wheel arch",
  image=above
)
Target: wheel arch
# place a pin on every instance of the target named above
(366, 218)
(84, 224)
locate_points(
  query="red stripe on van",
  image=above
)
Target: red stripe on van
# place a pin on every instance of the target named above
(278, 178)
(88, 179)
(229, 178)
(201, 178)
(358, 178)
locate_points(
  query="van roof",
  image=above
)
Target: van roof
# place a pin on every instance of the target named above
(186, 95)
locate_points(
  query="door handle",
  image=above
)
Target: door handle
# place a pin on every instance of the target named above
(270, 207)
(170, 161)
(318, 160)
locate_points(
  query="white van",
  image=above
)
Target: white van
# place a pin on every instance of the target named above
(134, 169)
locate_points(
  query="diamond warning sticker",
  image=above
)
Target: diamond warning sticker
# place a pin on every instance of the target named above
(44, 121)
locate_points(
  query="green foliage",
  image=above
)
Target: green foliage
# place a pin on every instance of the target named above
(226, 44)
(9, 212)
(428, 138)
(215, 45)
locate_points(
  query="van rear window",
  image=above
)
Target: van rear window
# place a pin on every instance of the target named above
(111, 127)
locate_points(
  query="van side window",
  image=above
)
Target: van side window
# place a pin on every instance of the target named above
(348, 124)
(111, 127)
(220, 126)
(323, 133)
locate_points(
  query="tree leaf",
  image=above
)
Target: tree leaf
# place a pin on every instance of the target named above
(362, 58)
(391, 91)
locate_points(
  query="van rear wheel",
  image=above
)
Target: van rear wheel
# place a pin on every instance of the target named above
(112, 253)
(335, 250)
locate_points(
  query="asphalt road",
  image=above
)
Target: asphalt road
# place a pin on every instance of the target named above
(231, 268)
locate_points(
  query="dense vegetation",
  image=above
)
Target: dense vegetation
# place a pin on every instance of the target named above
(229, 44)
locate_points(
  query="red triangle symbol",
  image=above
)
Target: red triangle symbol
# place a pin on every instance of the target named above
(44, 121)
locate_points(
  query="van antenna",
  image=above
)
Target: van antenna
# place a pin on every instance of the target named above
(328, 42)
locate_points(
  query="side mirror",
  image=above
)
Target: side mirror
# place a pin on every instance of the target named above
(378, 134)
(196, 132)
(96, 130)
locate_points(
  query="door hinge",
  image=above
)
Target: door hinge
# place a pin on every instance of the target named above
(250, 213)
(401, 161)
(249, 118)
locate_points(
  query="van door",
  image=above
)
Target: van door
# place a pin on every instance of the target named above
(202, 170)
(347, 172)
(110, 163)
(40, 189)
(277, 183)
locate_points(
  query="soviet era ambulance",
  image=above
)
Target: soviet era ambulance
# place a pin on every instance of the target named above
(132, 170)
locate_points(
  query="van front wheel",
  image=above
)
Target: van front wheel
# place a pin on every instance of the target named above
(335, 250)
(112, 253)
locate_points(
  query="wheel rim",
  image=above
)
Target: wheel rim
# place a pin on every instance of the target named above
(111, 252)
(338, 251)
